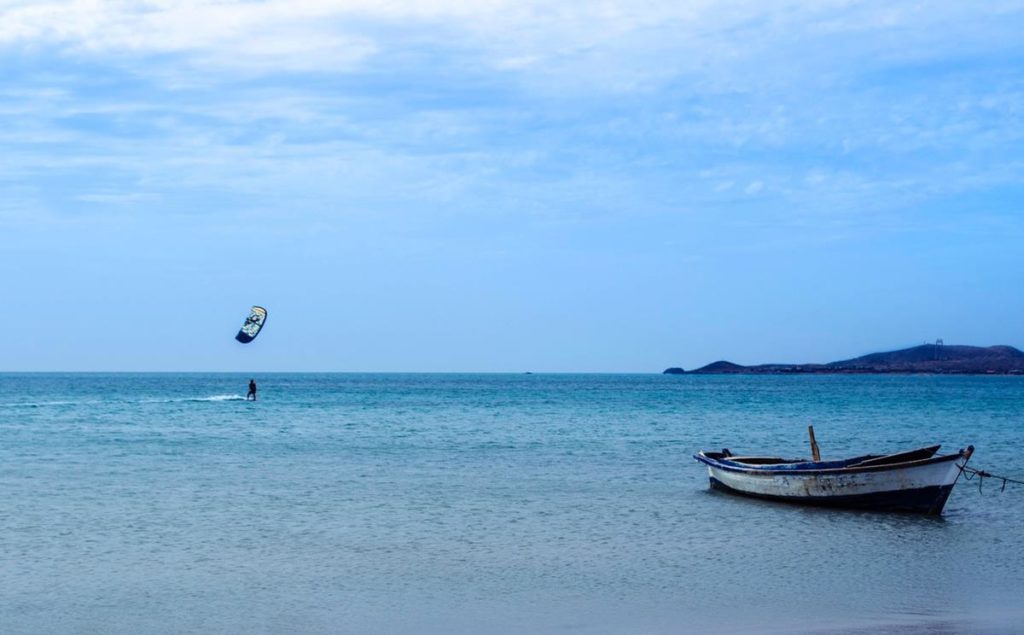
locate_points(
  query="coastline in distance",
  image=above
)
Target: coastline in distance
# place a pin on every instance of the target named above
(927, 358)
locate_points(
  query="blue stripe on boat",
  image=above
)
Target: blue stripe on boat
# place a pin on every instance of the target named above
(810, 467)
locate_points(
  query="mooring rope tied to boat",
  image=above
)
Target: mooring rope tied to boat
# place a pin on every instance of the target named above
(969, 473)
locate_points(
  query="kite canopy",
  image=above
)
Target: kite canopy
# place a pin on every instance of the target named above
(257, 318)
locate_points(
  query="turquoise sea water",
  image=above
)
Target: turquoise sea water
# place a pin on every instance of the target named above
(347, 503)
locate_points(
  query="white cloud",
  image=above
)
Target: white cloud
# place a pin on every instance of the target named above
(535, 98)
(271, 35)
(116, 198)
(626, 42)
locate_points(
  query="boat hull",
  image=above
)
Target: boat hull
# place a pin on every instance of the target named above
(923, 500)
(918, 486)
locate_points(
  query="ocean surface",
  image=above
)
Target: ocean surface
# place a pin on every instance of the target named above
(435, 503)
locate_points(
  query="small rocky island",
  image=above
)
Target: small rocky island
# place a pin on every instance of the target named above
(927, 358)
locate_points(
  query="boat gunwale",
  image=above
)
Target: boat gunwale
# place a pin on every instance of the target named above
(809, 471)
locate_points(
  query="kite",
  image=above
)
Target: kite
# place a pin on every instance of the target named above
(257, 318)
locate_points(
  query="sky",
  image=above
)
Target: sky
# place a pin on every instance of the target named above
(506, 185)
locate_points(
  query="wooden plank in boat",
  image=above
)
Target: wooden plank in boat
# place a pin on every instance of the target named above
(900, 457)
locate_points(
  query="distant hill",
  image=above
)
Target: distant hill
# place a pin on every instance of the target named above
(927, 358)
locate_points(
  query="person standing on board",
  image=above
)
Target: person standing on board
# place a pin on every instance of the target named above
(252, 390)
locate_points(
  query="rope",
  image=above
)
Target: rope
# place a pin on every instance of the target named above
(969, 473)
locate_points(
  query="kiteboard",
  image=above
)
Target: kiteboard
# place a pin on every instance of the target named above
(251, 328)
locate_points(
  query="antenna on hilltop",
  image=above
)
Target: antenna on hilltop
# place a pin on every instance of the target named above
(938, 344)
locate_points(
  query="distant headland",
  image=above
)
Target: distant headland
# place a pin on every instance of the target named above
(927, 358)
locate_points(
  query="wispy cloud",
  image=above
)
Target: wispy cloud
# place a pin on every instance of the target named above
(803, 106)
(279, 35)
(332, 34)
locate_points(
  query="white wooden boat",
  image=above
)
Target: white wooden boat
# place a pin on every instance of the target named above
(917, 481)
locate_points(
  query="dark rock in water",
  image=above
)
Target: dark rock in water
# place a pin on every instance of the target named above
(675, 370)
(927, 358)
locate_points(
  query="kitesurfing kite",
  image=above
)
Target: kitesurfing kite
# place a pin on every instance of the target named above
(257, 318)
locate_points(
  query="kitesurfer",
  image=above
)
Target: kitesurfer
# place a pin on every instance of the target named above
(252, 390)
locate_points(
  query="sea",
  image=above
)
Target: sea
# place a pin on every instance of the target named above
(491, 503)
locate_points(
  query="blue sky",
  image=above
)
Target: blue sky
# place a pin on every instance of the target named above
(506, 185)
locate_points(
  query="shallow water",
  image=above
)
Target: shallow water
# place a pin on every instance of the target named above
(488, 503)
